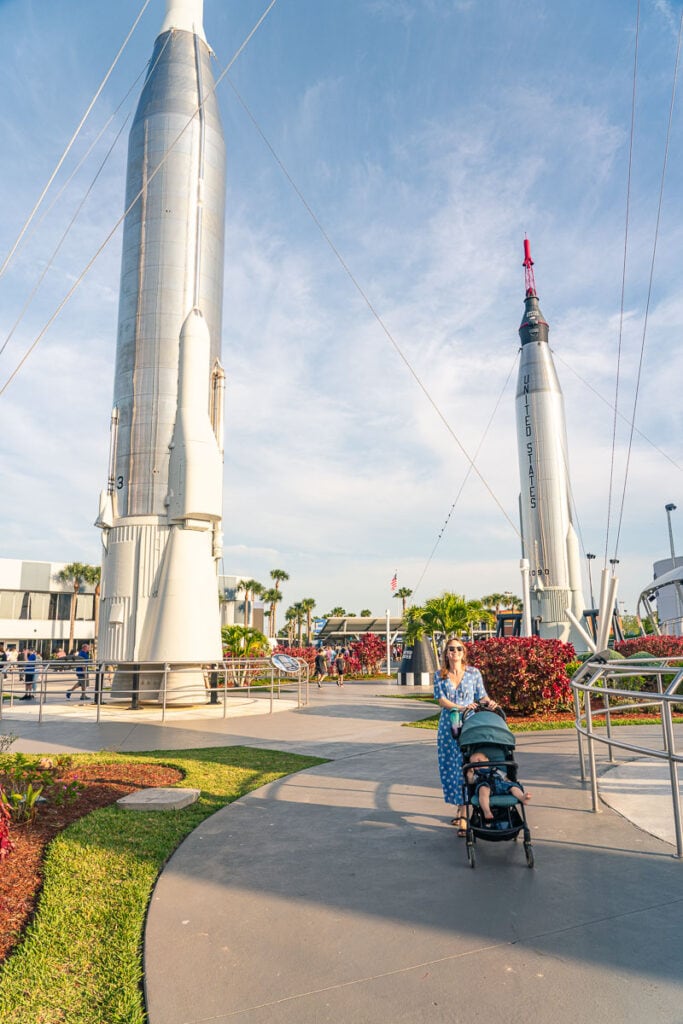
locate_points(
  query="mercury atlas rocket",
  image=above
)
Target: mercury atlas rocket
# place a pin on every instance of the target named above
(161, 513)
(549, 541)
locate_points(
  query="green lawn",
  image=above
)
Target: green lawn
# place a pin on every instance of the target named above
(80, 959)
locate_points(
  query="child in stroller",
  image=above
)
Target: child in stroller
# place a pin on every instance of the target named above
(495, 803)
(490, 782)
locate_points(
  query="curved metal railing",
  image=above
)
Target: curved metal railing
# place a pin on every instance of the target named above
(103, 684)
(598, 682)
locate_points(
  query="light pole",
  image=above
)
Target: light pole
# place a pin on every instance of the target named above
(677, 588)
(589, 559)
(669, 509)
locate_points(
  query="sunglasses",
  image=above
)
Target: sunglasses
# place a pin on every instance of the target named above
(455, 648)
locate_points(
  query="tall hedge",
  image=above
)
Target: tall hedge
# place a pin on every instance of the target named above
(526, 675)
(659, 646)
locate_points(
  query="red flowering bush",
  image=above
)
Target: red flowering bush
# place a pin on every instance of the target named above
(370, 652)
(526, 675)
(659, 646)
(6, 844)
(353, 666)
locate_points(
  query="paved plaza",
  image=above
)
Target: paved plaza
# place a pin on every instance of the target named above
(342, 893)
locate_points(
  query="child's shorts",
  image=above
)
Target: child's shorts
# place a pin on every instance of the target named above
(498, 786)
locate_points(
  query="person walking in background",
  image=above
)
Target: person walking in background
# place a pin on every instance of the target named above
(30, 657)
(12, 657)
(340, 666)
(320, 666)
(82, 659)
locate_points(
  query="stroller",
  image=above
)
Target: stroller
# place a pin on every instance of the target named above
(488, 732)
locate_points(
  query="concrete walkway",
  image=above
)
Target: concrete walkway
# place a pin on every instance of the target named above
(342, 893)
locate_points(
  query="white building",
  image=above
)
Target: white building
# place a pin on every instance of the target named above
(669, 599)
(35, 609)
(232, 604)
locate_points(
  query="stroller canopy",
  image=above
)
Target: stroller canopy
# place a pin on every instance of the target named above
(484, 728)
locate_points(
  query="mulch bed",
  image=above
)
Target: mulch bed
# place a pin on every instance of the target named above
(21, 870)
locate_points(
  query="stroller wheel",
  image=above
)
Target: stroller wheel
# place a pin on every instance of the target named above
(529, 855)
(471, 856)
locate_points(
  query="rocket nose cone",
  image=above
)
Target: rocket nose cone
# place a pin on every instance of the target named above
(194, 326)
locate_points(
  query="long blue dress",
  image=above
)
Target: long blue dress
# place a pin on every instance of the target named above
(470, 688)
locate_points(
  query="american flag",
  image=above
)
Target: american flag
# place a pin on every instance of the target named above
(394, 580)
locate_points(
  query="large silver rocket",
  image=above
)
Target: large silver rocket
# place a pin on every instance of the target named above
(549, 540)
(161, 513)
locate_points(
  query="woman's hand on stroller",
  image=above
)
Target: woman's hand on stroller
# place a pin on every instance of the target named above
(486, 704)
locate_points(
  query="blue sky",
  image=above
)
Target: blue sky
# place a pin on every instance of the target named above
(429, 136)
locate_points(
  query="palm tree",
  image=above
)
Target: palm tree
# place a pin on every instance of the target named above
(336, 612)
(414, 627)
(243, 641)
(78, 574)
(251, 588)
(271, 598)
(444, 616)
(299, 616)
(279, 575)
(494, 602)
(308, 604)
(404, 593)
(365, 613)
(290, 620)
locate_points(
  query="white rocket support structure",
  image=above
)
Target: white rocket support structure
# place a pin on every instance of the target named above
(549, 541)
(161, 513)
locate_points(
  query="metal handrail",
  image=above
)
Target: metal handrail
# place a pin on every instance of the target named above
(240, 673)
(597, 679)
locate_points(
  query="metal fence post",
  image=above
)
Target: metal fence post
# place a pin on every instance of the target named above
(42, 682)
(591, 752)
(163, 703)
(673, 774)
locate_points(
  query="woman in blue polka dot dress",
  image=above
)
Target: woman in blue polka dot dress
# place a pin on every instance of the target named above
(457, 685)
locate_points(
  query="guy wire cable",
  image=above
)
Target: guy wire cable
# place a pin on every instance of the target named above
(652, 271)
(72, 140)
(467, 475)
(609, 405)
(623, 280)
(125, 213)
(367, 300)
(62, 239)
(90, 148)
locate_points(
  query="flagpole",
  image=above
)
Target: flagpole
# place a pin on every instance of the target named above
(388, 642)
